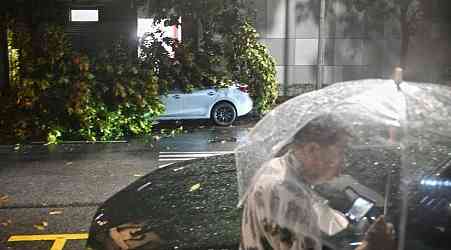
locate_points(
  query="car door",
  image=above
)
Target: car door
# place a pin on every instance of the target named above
(197, 103)
(173, 104)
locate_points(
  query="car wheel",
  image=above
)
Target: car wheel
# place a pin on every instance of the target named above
(223, 114)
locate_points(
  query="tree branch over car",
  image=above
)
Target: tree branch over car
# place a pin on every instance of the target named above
(219, 46)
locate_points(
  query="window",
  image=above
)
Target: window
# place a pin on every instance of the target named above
(84, 15)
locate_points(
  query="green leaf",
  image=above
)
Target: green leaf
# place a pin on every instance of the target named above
(194, 187)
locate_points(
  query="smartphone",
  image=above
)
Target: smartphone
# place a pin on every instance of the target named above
(359, 209)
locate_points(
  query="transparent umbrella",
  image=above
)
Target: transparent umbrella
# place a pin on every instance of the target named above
(400, 137)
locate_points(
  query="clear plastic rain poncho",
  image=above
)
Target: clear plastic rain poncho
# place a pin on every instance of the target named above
(395, 163)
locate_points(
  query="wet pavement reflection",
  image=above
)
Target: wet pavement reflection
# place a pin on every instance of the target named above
(37, 175)
(206, 139)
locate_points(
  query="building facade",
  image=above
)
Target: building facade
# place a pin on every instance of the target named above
(350, 45)
(117, 20)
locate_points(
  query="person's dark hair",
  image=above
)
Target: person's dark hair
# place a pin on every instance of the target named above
(324, 130)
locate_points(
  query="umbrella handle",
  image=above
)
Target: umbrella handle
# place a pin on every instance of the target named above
(387, 192)
(398, 75)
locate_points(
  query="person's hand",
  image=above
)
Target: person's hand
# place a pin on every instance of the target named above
(379, 236)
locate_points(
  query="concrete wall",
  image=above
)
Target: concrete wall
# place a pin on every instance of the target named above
(354, 48)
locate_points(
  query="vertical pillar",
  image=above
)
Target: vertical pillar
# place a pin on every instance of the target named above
(320, 56)
(288, 46)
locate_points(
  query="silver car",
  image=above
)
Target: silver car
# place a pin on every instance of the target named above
(221, 105)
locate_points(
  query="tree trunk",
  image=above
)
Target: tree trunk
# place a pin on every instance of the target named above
(31, 11)
(4, 61)
(187, 28)
(192, 30)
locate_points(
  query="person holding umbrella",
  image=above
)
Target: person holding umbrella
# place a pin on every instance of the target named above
(281, 210)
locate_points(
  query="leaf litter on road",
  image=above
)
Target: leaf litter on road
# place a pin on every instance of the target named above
(6, 223)
(41, 226)
(194, 187)
(3, 199)
(56, 212)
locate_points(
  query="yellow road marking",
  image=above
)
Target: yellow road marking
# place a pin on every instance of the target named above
(59, 240)
(58, 244)
(83, 236)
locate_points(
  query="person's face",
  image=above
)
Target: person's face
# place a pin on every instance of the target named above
(322, 163)
(330, 162)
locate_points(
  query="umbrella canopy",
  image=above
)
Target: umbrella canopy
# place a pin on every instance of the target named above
(399, 134)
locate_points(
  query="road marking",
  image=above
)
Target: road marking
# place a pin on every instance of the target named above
(58, 244)
(187, 155)
(177, 159)
(175, 156)
(199, 152)
(59, 240)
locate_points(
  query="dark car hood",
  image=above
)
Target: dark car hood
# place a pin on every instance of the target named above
(192, 204)
(180, 203)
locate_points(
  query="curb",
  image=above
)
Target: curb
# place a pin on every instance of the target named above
(42, 143)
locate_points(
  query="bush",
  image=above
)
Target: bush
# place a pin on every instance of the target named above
(220, 54)
(217, 62)
(252, 64)
(126, 92)
(57, 94)
(187, 67)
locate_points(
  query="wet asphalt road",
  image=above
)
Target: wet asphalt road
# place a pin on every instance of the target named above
(47, 192)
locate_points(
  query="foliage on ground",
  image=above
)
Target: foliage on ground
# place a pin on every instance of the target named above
(253, 65)
(223, 48)
(56, 93)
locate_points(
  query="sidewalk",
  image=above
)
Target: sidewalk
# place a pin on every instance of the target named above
(39, 176)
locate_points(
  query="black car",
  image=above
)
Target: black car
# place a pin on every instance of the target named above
(192, 205)
(188, 205)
